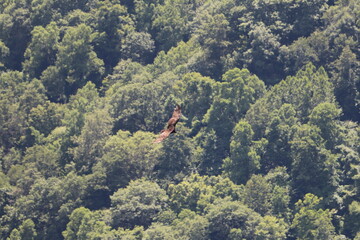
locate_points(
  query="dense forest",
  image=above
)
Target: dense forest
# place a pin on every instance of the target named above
(267, 146)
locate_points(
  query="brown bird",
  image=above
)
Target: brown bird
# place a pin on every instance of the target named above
(170, 125)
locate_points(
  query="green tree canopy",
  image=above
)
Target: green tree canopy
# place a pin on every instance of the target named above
(310, 221)
(137, 204)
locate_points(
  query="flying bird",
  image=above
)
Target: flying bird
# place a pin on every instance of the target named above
(170, 125)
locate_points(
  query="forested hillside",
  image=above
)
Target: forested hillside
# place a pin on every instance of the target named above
(268, 146)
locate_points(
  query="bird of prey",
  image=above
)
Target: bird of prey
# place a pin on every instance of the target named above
(170, 125)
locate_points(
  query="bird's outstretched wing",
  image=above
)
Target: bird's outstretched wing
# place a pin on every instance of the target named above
(170, 125)
(164, 134)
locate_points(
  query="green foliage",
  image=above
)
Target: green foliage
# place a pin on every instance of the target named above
(171, 22)
(138, 46)
(4, 52)
(187, 194)
(271, 228)
(269, 92)
(15, 235)
(112, 24)
(41, 51)
(227, 216)
(310, 222)
(177, 157)
(324, 116)
(85, 224)
(189, 225)
(158, 231)
(304, 91)
(76, 63)
(27, 230)
(144, 14)
(279, 134)
(346, 79)
(352, 219)
(232, 99)
(244, 159)
(280, 192)
(90, 148)
(258, 194)
(77, 218)
(181, 59)
(196, 192)
(137, 204)
(17, 99)
(45, 158)
(264, 48)
(127, 157)
(269, 194)
(196, 93)
(313, 165)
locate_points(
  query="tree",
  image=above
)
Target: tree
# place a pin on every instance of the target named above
(49, 202)
(77, 218)
(227, 216)
(188, 193)
(310, 221)
(313, 49)
(243, 88)
(17, 99)
(279, 181)
(27, 230)
(352, 219)
(45, 117)
(85, 224)
(264, 50)
(257, 195)
(304, 91)
(137, 204)
(177, 157)
(96, 130)
(138, 46)
(313, 167)
(76, 57)
(85, 101)
(46, 158)
(183, 58)
(271, 228)
(244, 159)
(279, 134)
(190, 225)
(112, 24)
(144, 14)
(4, 52)
(171, 22)
(41, 51)
(15, 28)
(4, 191)
(196, 93)
(126, 72)
(158, 231)
(232, 99)
(346, 80)
(76, 63)
(15, 235)
(127, 157)
(211, 31)
(325, 116)
(137, 233)
(141, 106)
